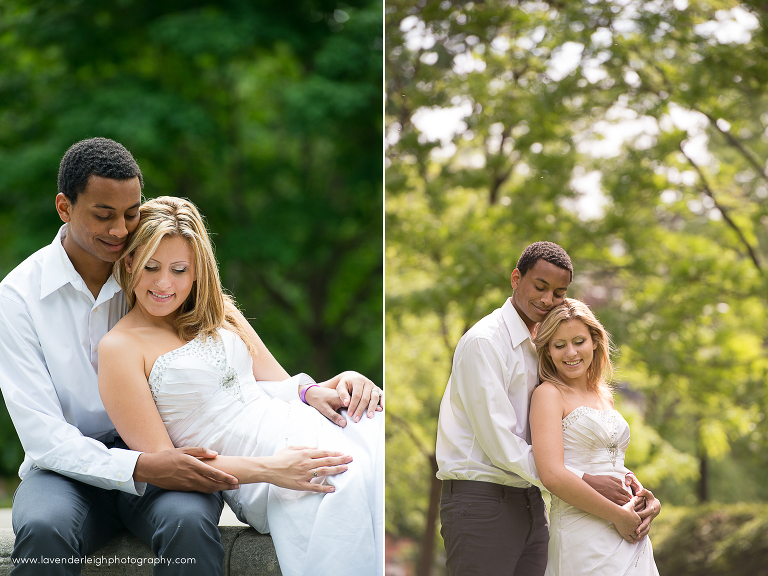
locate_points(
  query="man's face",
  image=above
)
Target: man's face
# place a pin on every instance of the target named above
(102, 219)
(541, 289)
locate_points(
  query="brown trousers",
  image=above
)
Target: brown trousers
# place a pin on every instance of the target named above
(493, 530)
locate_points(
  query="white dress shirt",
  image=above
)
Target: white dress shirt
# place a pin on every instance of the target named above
(482, 432)
(50, 327)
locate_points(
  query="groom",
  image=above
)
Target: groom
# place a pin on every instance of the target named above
(493, 517)
(81, 485)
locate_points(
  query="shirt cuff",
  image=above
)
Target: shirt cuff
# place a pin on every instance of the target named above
(286, 390)
(124, 463)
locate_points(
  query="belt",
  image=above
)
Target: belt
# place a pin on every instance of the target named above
(480, 487)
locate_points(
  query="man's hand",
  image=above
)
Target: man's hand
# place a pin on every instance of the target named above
(350, 390)
(609, 487)
(296, 467)
(181, 469)
(651, 505)
(648, 513)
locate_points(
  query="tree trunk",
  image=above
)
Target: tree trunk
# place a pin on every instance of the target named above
(703, 476)
(427, 552)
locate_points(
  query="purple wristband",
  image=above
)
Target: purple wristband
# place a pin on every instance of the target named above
(304, 393)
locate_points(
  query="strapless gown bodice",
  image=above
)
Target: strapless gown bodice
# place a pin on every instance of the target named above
(206, 394)
(595, 442)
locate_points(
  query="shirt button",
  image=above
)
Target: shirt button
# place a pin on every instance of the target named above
(96, 348)
(119, 474)
(119, 483)
(85, 468)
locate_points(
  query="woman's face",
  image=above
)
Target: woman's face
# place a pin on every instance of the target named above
(572, 350)
(167, 278)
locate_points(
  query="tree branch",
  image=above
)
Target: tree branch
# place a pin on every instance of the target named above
(723, 211)
(498, 177)
(738, 145)
(429, 455)
(276, 295)
(444, 332)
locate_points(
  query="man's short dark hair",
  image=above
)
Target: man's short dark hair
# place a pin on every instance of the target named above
(95, 156)
(547, 251)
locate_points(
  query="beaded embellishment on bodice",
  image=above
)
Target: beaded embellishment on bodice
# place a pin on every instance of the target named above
(610, 420)
(211, 350)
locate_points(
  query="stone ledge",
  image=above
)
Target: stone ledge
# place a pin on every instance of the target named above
(246, 553)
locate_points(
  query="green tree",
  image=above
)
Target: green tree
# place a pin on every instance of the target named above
(266, 115)
(634, 135)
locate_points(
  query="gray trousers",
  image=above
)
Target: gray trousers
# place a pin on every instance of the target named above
(493, 530)
(57, 517)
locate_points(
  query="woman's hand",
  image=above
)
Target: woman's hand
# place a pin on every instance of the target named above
(296, 467)
(627, 521)
(349, 390)
(364, 395)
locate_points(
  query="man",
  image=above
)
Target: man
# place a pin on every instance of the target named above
(493, 517)
(81, 485)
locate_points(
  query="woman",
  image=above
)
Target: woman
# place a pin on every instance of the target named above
(573, 422)
(185, 368)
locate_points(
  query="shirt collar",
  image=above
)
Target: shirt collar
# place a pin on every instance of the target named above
(58, 271)
(518, 331)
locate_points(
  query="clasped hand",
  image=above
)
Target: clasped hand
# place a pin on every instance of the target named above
(647, 505)
(182, 469)
(189, 469)
(350, 390)
(644, 506)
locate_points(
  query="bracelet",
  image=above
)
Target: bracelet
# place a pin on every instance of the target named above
(304, 393)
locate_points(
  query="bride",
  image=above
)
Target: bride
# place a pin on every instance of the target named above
(185, 368)
(573, 422)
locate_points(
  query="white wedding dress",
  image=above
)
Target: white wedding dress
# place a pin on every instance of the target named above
(595, 442)
(207, 396)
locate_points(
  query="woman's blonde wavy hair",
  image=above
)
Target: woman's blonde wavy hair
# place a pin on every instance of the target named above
(207, 307)
(600, 372)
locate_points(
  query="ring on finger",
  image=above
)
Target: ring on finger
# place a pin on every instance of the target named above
(314, 473)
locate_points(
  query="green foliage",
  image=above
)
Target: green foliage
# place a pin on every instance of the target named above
(714, 540)
(266, 115)
(644, 158)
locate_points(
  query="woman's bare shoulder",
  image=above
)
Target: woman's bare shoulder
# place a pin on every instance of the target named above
(547, 392)
(547, 405)
(122, 340)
